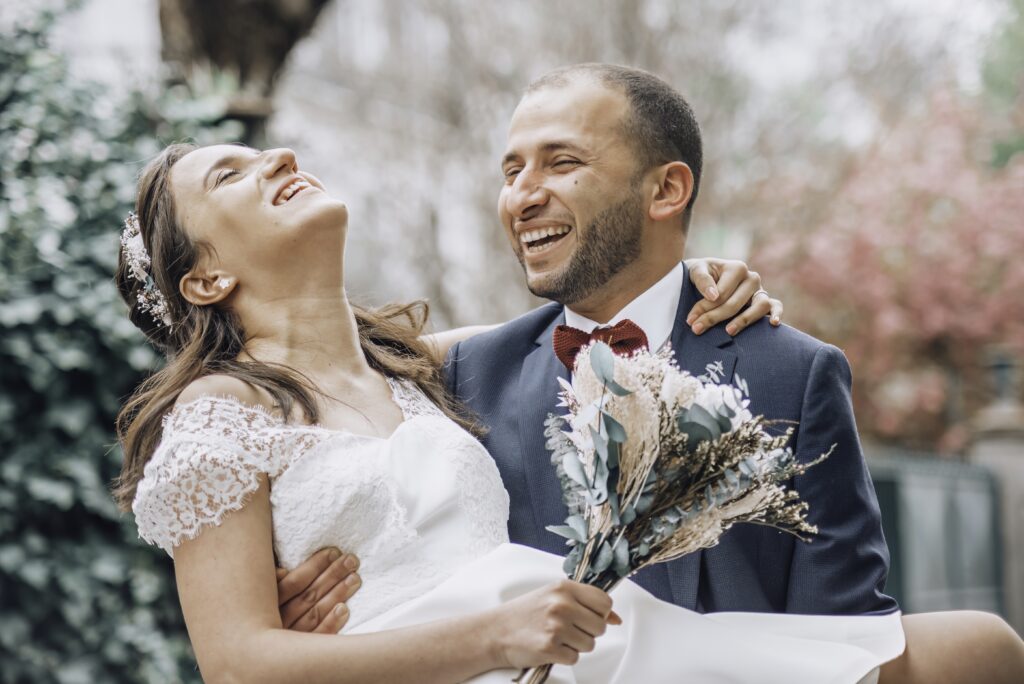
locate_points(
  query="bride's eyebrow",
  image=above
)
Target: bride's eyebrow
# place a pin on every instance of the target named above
(225, 160)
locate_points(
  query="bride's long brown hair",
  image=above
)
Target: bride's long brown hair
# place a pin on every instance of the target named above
(204, 340)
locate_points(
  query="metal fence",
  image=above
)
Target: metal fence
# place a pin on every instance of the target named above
(941, 520)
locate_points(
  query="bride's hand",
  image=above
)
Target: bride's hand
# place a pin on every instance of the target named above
(312, 596)
(553, 624)
(729, 286)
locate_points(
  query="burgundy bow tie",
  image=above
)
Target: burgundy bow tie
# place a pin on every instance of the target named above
(625, 337)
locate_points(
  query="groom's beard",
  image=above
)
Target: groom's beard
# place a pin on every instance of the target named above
(610, 243)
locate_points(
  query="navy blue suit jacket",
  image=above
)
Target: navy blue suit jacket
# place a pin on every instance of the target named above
(508, 377)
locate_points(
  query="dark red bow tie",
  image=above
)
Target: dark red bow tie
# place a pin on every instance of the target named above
(625, 337)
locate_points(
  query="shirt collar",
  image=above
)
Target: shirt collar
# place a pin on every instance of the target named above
(654, 310)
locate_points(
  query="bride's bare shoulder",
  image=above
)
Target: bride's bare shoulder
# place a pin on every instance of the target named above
(225, 386)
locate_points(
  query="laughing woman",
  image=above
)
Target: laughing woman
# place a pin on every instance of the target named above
(288, 419)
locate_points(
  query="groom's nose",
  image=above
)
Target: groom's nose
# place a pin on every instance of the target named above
(526, 195)
(277, 160)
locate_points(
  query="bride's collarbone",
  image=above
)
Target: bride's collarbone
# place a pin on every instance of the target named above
(363, 408)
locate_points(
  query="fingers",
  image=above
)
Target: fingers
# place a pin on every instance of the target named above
(312, 620)
(702, 279)
(334, 586)
(335, 620)
(729, 307)
(759, 307)
(578, 640)
(776, 314)
(592, 598)
(291, 584)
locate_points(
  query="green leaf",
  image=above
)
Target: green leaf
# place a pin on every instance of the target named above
(620, 563)
(600, 443)
(567, 532)
(699, 415)
(616, 389)
(572, 560)
(695, 434)
(604, 558)
(574, 469)
(628, 515)
(616, 433)
(724, 423)
(602, 360)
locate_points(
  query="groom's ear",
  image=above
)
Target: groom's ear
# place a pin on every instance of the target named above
(203, 288)
(671, 186)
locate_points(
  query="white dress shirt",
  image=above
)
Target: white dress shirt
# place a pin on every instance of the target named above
(654, 310)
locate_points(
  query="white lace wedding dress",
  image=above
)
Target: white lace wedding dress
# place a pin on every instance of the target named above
(426, 512)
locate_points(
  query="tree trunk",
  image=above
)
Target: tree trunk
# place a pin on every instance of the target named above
(247, 39)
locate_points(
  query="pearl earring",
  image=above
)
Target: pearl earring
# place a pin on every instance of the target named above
(223, 283)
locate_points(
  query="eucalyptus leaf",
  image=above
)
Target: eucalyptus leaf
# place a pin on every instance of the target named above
(627, 515)
(604, 558)
(574, 469)
(699, 415)
(724, 423)
(565, 531)
(620, 562)
(614, 429)
(600, 443)
(602, 360)
(572, 560)
(616, 389)
(695, 434)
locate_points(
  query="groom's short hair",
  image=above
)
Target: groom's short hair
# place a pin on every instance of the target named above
(661, 126)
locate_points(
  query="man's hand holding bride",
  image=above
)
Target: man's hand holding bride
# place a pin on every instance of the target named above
(313, 596)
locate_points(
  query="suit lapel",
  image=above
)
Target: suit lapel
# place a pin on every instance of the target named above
(538, 396)
(694, 354)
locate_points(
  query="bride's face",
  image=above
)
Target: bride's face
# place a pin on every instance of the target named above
(264, 219)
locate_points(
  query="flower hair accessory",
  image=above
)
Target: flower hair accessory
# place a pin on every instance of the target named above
(151, 299)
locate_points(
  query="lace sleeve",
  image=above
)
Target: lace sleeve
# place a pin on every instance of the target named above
(207, 465)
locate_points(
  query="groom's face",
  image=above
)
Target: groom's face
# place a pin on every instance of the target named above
(571, 204)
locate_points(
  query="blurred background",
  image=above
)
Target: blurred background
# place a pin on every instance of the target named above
(866, 158)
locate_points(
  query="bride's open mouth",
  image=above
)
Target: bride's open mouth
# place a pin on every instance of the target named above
(290, 191)
(540, 240)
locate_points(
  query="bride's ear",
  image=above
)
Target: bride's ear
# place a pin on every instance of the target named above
(203, 289)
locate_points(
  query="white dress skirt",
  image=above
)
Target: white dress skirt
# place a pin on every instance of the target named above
(426, 512)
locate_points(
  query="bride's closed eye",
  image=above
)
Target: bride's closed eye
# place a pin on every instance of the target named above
(224, 175)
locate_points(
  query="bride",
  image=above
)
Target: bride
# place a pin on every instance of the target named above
(288, 419)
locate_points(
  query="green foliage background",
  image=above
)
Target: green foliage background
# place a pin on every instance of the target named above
(81, 598)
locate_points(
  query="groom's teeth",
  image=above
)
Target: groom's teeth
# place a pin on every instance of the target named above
(540, 233)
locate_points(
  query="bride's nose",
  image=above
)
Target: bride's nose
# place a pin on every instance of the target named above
(277, 160)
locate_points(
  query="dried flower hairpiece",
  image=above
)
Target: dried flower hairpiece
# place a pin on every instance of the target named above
(151, 299)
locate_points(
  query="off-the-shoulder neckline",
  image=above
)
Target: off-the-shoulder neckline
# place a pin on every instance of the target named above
(230, 399)
(280, 420)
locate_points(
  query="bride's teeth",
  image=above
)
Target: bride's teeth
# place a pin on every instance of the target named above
(287, 193)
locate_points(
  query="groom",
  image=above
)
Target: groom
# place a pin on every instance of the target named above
(602, 170)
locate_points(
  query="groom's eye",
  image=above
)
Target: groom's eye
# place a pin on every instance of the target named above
(567, 162)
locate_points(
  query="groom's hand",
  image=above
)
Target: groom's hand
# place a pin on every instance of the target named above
(728, 286)
(312, 596)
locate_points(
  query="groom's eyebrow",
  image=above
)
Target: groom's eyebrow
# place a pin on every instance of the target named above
(547, 148)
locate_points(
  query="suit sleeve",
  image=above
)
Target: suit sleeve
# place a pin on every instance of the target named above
(450, 369)
(842, 570)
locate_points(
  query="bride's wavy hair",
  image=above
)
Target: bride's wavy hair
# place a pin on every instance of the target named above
(204, 340)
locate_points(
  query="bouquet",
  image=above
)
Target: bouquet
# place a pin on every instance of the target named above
(655, 463)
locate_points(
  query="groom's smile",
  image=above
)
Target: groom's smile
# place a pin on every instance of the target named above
(569, 202)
